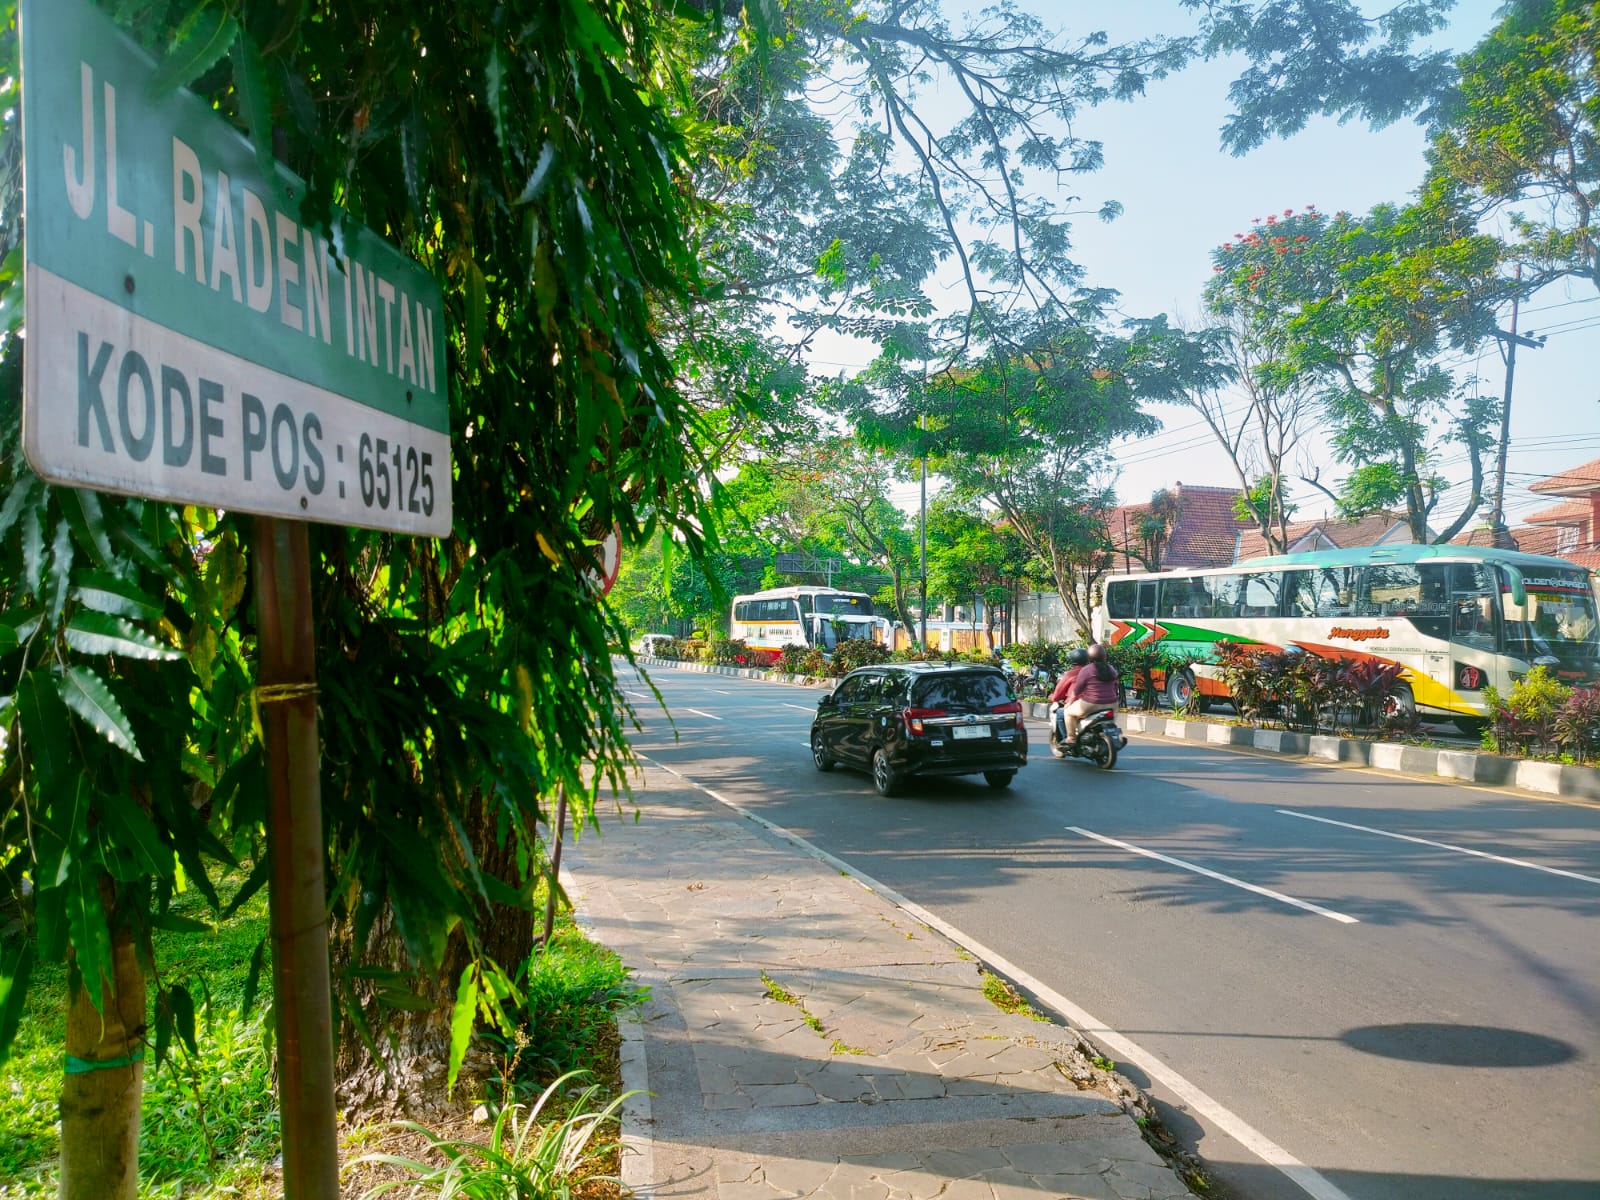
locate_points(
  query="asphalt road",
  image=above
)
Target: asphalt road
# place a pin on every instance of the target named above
(1393, 983)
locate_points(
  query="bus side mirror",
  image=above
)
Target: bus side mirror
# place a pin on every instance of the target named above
(1519, 594)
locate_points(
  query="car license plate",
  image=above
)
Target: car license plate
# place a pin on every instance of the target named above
(969, 731)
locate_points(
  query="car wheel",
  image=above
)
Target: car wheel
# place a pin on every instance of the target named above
(999, 780)
(819, 752)
(1100, 750)
(884, 777)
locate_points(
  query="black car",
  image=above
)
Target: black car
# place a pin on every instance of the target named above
(903, 719)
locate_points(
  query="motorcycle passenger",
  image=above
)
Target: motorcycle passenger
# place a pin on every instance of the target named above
(1076, 659)
(1093, 690)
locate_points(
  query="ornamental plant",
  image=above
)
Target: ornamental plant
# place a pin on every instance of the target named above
(1577, 724)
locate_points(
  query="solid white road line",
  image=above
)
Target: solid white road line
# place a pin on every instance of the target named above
(1219, 876)
(801, 707)
(698, 713)
(1309, 1179)
(1406, 837)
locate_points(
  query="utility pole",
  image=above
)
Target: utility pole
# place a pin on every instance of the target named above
(1498, 528)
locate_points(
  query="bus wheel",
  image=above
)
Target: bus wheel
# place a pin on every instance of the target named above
(1180, 689)
(1401, 706)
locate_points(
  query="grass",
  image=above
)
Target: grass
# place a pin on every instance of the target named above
(776, 991)
(206, 1117)
(210, 1123)
(1008, 1000)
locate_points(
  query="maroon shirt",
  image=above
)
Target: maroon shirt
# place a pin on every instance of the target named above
(1090, 687)
(1059, 696)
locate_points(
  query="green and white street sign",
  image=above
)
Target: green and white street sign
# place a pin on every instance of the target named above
(188, 336)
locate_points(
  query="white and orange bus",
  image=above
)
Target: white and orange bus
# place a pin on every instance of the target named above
(1455, 618)
(814, 617)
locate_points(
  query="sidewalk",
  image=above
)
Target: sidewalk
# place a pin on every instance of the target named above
(805, 1037)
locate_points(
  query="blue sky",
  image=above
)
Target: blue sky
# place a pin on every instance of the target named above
(1182, 195)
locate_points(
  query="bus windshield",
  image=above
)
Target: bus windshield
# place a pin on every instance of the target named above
(841, 605)
(1557, 620)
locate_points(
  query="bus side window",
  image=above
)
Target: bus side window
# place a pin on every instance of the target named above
(1260, 595)
(1119, 599)
(1300, 593)
(1183, 598)
(1147, 601)
(1388, 590)
(1224, 592)
(1324, 593)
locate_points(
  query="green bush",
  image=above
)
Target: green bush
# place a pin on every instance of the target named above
(1143, 669)
(801, 660)
(857, 652)
(1049, 656)
(1530, 720)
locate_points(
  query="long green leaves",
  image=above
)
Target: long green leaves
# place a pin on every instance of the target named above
(202, 40)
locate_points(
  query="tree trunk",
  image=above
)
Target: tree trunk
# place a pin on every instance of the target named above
(100, 1093)
(410, 1075)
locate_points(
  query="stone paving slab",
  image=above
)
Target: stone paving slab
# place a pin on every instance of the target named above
(804, 1037)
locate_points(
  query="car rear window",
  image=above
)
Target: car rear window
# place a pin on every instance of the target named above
(976, 691)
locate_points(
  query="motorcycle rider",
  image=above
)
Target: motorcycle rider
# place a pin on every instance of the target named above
(1092, 690)
(1076, 659)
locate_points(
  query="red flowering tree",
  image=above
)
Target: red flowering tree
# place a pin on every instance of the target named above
(1363, 308)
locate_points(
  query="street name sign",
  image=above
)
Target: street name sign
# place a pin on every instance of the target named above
(189, 336)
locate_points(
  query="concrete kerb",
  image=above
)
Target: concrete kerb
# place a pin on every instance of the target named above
(1466, 766)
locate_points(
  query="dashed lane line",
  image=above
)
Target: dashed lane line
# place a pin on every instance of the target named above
(1342, 918)
(1406, 837)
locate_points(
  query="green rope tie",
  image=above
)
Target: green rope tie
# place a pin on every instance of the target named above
(82, 1066)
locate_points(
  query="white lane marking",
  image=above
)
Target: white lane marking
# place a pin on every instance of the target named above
(697, 712)
(1406, 837)
(1218, 875)
(720, 692)
(801, 707)
(637, 695)
(1308, 1178)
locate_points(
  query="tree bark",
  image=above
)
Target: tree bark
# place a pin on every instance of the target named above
(408, 1079)
(100, 1094)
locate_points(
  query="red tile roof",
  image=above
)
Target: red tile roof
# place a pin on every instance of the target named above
(1573, 512)
(1204, 534)
(1207, 533)
(1530, 539)
(1366, 531)
(1579, 481)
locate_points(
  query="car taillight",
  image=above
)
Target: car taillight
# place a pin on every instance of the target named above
(1014, 706)
(913, 717)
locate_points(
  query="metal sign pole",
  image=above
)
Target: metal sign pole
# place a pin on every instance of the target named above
(301, 990)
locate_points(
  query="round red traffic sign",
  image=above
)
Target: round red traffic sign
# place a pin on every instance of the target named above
(609, 556)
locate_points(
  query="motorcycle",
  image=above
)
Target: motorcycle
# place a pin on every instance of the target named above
(1099, 737)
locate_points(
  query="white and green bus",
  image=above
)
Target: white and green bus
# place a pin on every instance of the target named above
(1455, 618)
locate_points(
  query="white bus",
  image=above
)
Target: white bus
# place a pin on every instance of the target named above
(815, 617)
(1455, 618)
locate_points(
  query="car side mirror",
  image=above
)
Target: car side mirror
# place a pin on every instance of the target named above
(825, 700)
